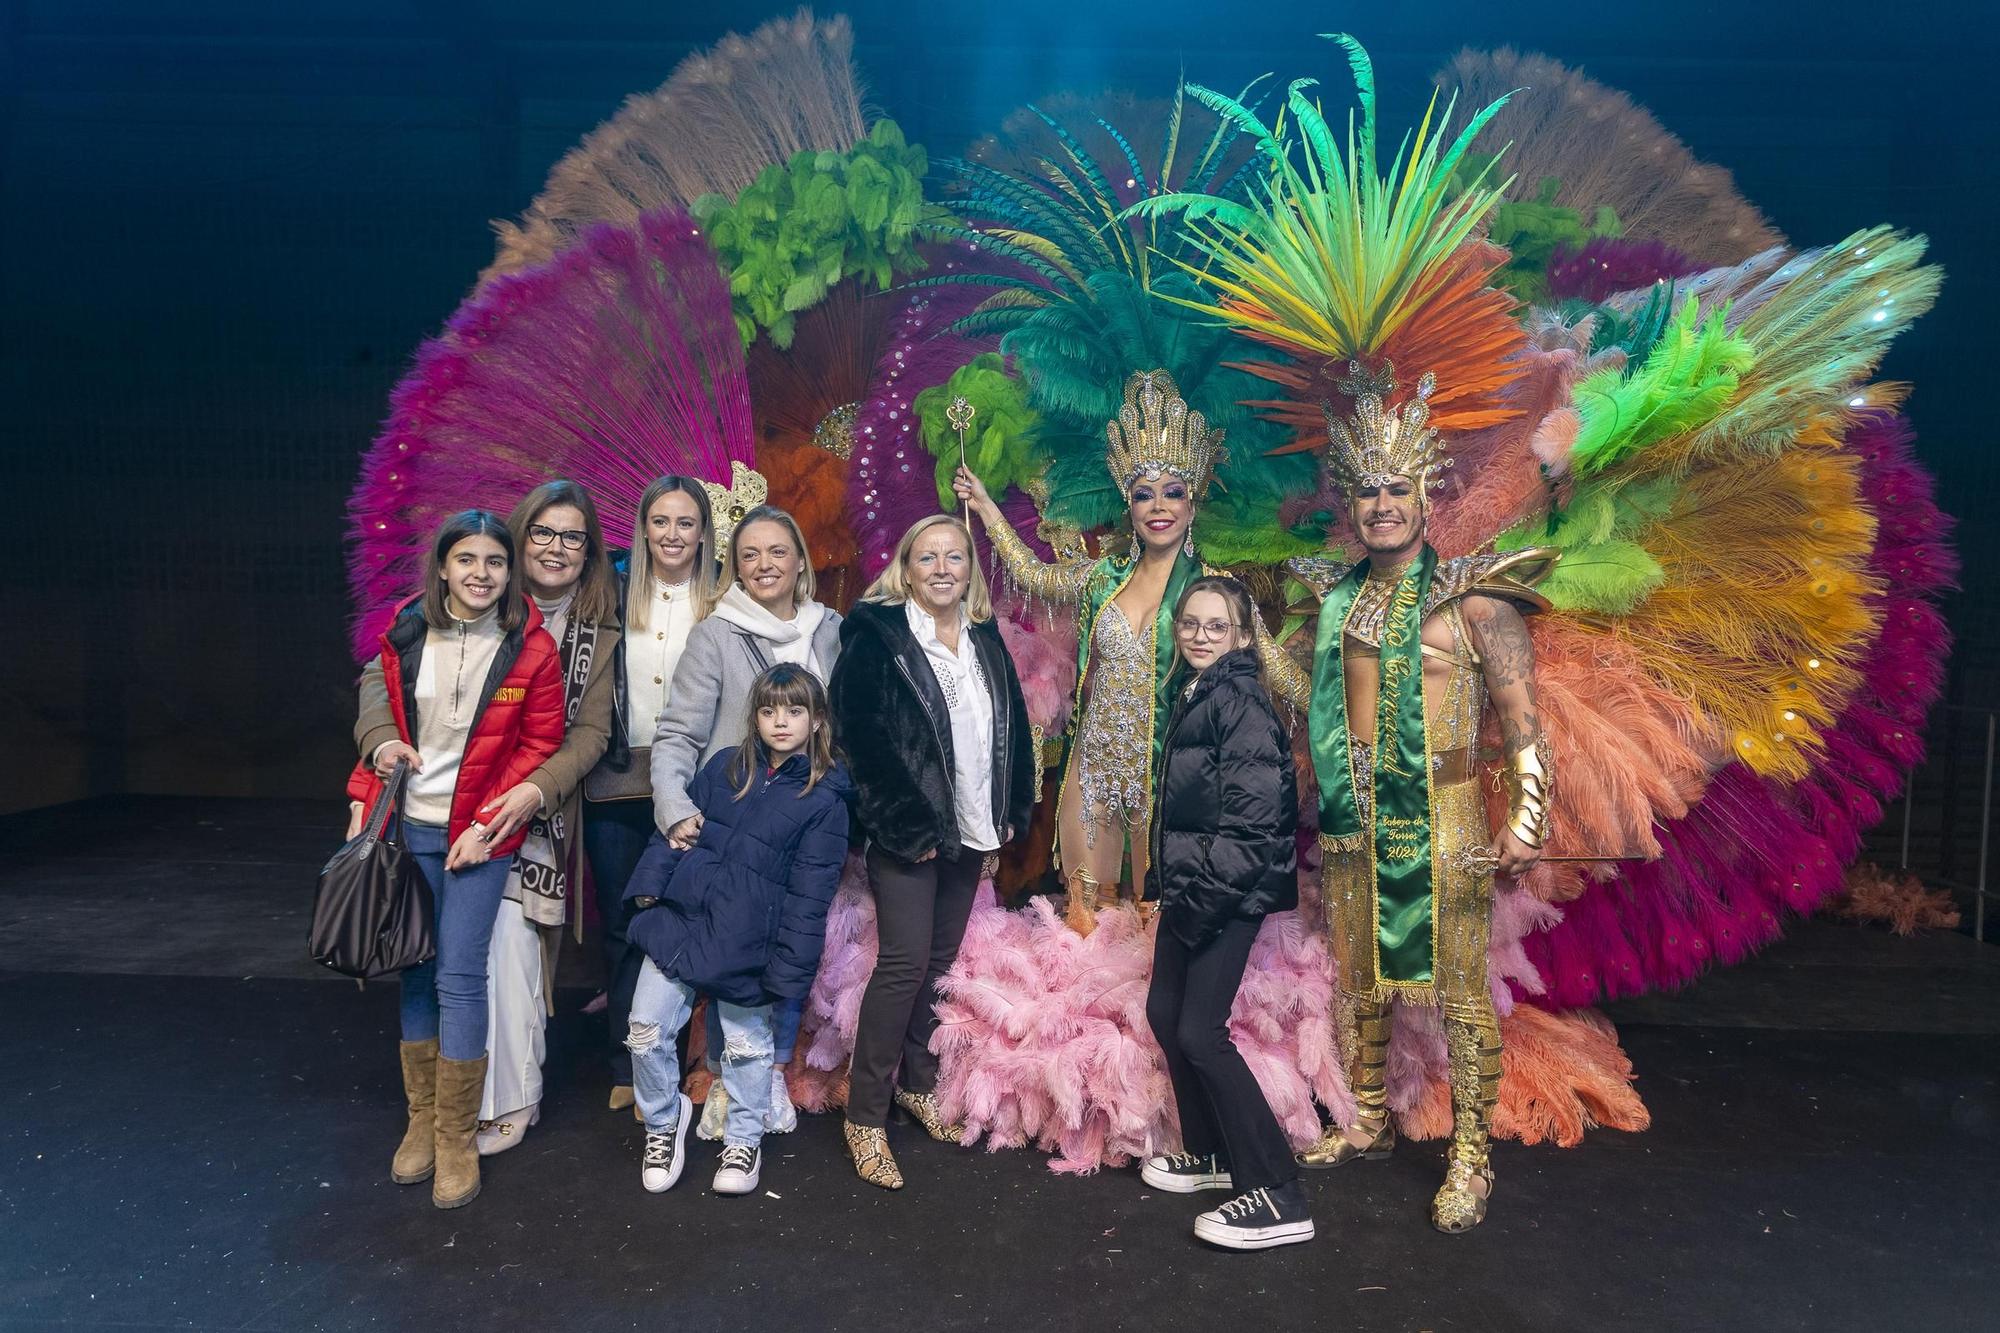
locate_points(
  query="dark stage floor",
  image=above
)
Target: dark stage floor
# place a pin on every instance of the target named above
(195, 1129)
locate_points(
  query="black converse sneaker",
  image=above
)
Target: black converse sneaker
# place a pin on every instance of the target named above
(1259, 1219)
(741, 1166)
(1184, 1173)
(661, 1165)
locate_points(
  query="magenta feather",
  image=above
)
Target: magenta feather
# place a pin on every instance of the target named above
(612, 363)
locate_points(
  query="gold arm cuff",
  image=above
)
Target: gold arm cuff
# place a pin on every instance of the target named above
(1289, 681)
(1532, 781)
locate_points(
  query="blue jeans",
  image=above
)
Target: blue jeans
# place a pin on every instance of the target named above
(614, 836)
(446, 997)
(660, 1009)
(786, 1016)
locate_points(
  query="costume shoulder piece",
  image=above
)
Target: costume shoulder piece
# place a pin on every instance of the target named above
(1319, 572)
(1510, 574)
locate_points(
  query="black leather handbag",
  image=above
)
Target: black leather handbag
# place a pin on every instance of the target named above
(373, 910)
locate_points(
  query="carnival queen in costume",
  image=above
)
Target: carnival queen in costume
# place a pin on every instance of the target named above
(1161, 457)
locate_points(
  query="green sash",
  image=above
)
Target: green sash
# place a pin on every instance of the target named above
(1402, 781)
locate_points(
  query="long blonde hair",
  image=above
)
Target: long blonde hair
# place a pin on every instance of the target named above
(640, 576)
(807, 584)
(892, 586)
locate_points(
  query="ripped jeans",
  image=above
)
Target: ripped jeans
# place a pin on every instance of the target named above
(660, 1009)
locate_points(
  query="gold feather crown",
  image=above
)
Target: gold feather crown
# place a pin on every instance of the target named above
(1155, 432)
(1374, 444)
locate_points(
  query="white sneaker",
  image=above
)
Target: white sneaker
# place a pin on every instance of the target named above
(783, 1117)
(666, 1153)
(714, 1113)
(741, 1167)
(497, 1136)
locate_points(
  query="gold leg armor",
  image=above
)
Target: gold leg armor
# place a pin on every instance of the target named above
(1472, 1050)
(1083, 890)
(1362, 1028)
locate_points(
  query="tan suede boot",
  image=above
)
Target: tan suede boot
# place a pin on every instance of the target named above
(459, 1084)
(416, 1155)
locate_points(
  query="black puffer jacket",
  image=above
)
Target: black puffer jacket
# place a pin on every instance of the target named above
(1226, 807)
(892, 721)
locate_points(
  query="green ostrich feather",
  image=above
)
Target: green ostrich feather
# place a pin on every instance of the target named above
(1687, 379)
(805, 225)
(1001, 446)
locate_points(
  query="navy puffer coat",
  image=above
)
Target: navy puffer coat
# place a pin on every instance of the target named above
(1226, 807)
(742, 914)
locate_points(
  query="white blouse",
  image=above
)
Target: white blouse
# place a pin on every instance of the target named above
(651, 654)
(966, 695)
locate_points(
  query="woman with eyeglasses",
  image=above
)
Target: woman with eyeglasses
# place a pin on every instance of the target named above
(566, 573)
(667, 586)
(1224, 857)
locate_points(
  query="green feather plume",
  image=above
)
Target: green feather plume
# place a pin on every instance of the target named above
(1685, 381)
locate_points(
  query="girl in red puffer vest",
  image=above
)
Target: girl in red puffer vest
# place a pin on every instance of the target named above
(468, 692)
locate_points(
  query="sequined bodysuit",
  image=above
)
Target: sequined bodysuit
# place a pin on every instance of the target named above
(1114, 741)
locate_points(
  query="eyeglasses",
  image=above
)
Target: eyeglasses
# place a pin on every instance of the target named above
(573, 539)
(1190, 628)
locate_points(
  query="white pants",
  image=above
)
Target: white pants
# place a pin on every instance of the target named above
(516, 1016)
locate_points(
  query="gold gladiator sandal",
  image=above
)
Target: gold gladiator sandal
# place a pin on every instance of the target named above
(1083, 896)
(1473, 1053)
(873, 1161)
(923, 1108)
(1372, 1135)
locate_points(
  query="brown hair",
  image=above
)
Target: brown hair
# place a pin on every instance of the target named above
(783, 685)
(892, 586)
(801, 594)
(471, 523)
(640, 575)
(596, 591)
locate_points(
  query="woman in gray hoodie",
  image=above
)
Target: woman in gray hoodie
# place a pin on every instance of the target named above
(765, 615)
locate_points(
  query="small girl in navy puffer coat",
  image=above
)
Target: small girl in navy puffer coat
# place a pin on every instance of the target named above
(740, 917)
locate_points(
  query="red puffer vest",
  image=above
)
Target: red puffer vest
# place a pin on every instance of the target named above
(519, 723)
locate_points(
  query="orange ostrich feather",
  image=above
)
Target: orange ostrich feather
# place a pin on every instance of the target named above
(1461, 330)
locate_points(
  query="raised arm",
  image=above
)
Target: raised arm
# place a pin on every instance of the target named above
(1507, 654)
(1060, 582)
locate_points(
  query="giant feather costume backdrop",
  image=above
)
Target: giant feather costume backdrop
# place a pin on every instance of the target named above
(1632, 365)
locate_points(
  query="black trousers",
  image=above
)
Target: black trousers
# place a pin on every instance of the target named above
(615, 834)
(920, 916)
(1223, 1111)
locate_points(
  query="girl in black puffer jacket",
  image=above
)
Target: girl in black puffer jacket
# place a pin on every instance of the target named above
(1224, 855)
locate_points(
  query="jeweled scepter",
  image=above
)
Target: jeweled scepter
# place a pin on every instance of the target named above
(960, 415)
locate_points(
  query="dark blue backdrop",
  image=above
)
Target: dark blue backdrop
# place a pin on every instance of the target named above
(227, 224)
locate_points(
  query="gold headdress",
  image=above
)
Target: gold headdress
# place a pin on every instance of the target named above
(1155, 432)
(1375, 444)
(728, 504)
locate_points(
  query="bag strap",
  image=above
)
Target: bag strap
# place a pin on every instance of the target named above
(389, 804)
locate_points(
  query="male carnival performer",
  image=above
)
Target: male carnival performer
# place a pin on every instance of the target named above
(1411, 650)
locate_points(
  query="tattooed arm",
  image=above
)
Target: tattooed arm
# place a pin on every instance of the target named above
(1500, 633)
